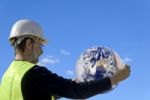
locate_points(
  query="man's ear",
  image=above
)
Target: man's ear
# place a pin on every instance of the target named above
(29, 44)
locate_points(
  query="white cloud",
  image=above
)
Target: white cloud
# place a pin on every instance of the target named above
(126, 60)
(70, 72)
(48, 60)
(65, 52)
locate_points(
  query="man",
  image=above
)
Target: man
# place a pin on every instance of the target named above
(24, 80)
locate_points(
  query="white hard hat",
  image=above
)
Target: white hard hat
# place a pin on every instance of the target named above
(25, 28)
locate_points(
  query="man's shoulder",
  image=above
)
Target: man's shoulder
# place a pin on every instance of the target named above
(37, 72)
(39, 69)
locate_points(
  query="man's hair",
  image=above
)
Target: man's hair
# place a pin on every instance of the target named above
(21, 46)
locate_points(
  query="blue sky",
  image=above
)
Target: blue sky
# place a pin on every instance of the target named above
(71, 26)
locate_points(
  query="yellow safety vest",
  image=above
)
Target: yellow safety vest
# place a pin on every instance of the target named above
(10, 88)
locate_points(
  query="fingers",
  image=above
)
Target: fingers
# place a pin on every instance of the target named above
(124, 73)
(121, 75)
(128, 66)
(128, 70)
(118, 61)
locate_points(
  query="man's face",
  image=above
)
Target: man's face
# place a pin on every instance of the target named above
(36, 50)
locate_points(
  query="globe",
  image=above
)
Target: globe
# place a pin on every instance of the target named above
(96, 63)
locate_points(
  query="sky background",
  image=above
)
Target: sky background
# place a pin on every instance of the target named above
(72, 26)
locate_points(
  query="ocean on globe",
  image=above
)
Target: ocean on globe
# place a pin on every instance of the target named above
(96, 63)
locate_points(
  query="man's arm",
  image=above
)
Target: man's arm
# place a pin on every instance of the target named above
(52, 83)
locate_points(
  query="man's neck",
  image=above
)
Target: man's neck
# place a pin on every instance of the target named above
(19, 57)
(23, 57)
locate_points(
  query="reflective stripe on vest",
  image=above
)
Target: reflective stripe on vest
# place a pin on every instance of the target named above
(10, 88)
